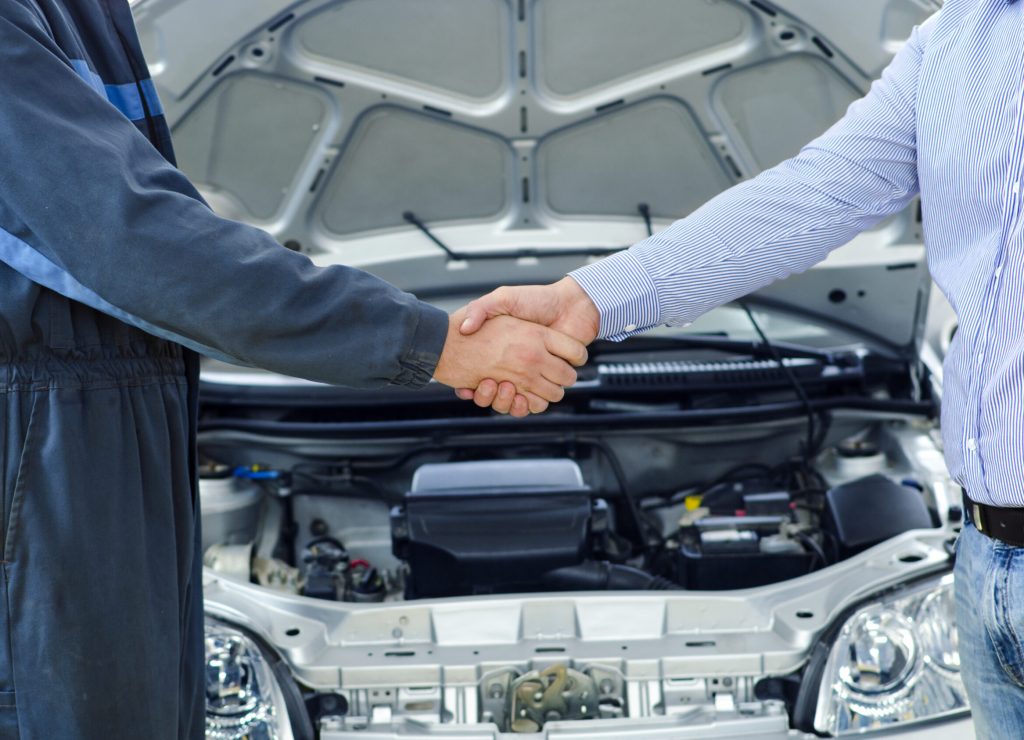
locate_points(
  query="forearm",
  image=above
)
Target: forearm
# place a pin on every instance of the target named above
(778, 224)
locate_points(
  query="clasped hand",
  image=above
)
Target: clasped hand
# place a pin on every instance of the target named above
(515, 349)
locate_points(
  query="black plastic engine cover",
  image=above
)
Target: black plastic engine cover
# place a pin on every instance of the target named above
(870, 510)
(493, 527)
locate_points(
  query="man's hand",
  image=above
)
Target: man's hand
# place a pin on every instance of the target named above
(534, 360)
(563, 306)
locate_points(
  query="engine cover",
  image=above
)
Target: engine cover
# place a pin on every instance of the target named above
(493, 526)
(870, 510)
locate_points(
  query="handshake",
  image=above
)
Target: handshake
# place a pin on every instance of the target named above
(514, 350)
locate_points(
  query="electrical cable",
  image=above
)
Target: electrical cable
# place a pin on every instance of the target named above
(809, 448)
(329, 480)
(700, 490)
(808, 542)
(643, 527)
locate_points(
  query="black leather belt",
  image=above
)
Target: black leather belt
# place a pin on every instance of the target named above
(999, 523)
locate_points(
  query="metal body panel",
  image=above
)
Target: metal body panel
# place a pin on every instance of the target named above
(754, 632)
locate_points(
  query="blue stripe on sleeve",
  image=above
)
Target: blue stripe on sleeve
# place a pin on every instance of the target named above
(126, 98)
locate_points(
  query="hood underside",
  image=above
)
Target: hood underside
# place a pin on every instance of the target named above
(508, 124)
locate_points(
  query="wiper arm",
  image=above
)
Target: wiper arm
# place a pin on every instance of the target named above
(410, 217)
(645, 213)
(504, 254)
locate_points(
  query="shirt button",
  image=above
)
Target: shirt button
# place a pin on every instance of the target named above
(630, 327)
(1016, 187)
(972, 444)
(981, 358)
(999, 270)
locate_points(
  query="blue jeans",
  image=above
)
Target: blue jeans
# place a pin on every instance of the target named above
(990, 623)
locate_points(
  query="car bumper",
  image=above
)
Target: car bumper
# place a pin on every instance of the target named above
(680, 728)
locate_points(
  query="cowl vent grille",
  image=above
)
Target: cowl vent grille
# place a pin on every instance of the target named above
(679, 372)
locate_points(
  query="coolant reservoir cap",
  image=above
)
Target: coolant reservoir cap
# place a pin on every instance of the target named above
(210, 470)
(854, 448)
(856, 458)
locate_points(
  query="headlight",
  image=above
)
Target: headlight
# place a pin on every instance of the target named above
(244, 698)
(893, 661)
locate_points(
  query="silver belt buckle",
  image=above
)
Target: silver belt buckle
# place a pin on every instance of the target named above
(977, 517)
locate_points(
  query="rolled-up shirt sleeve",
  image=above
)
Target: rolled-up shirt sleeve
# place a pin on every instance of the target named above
(781, 222)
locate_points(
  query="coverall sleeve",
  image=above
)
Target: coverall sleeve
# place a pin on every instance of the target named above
(90, 209)
(781, 222)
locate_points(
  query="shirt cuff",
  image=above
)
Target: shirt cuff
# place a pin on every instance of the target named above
(624, 293)
(424, 352)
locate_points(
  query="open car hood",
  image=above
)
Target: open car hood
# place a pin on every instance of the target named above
(522, 124)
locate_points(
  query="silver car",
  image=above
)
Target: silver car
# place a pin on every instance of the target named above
(740, 528)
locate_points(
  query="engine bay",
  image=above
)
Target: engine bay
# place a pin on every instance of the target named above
(470, 568)
(489, 514)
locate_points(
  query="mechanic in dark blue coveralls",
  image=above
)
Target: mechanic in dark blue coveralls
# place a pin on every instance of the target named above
(113, 272)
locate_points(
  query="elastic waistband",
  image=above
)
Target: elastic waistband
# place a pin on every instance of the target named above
(53, 373)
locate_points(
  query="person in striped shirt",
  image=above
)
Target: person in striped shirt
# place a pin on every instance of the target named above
(945, 121)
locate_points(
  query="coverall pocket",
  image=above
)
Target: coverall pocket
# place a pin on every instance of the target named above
(8, 716)
(18, 447)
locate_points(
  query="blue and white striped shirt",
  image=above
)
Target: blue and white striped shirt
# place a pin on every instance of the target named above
(945, 120)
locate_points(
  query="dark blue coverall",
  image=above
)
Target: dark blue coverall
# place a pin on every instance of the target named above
(113, 272)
